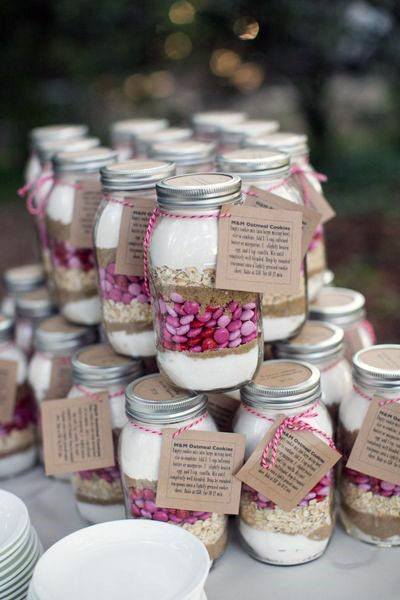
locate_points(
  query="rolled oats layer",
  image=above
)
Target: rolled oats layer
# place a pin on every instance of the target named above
(73, 284)
(101, 486)
(282, 305)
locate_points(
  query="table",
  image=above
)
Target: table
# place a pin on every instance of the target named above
(349, 570)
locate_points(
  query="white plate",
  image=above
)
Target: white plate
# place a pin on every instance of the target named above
(16, 570)
(14, 520)
(138, 559)
(17, 546)
(21, 584)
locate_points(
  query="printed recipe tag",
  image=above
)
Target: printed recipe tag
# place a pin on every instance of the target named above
(197, 471)
(376, 451)
(86, 203)
(60, 378)
(77, 434)
(132, 230)
(8, 389)
(316, 200)
(302, 461)
(259, 250)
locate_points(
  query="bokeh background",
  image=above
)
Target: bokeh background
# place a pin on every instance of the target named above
(329, 67)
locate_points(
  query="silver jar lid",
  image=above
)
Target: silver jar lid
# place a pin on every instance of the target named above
(316, 342)
(56, 334)
(134, 174)
(57, 132)
(23, 279)
(6, 328)
(192, 152)
(294, 144)
(144, 141)
(199, 191)
(236, 133)
(48, 148)
(84, 160)
(35, 304)
(340, 306)
(378, 366)
(211, 121)
(283, 384)
(129, 128)
(254, 163)
(151, 399)
(99, 366)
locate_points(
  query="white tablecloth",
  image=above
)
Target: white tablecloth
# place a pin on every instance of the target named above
(349, 570)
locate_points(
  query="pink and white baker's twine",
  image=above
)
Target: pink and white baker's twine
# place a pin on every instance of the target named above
(362, 394)
(177, 432)
(91, 394)
(33, 188)
(294, 423)
(122, 201)
(302, 172)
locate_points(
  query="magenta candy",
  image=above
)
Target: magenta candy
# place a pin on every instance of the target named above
(191, 308)
(102, 273)
(247, 328)
(160, 515)
(179, 309)
(179, 339)
(247, 315)
(170, 311)
(190, 520)
(195, 349)
(387, 486)
(234, 335)
(186, 320)
(170, 328)
(174, 321)
(148, 494)
(249, 338)
(143, 298)
(204, 317)
(150, 506)
(175, 519)
(111, 268)
(122, 282)
(107, 285)
(139, 502)
(126, 298)
(135, 510)
(223, 321)
(218, 313)
(135, 289)
(110, 279)
(183, 329)
(175, 297)
(222, 346)
(145, 514)
(167, 335)
(211, 323)
(221, 335)
(235, 343)
(115, 295)
(74, 263)
(237, 313)
(249, 306)
(232, 306)
(234, 325)
(194, 332)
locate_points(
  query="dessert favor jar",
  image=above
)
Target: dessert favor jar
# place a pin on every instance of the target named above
(345, 308)
(283, 315)
(296, 145)
(17, 281)
(17, 436)
(74, 268)
(31, 308)
(152, 405)
(126, 308)
(321, 344)
(189, 157)
(231, 136)
(123, 134)
(268, 533)
(98, 369)
(208, 339)
(369, 507)
(207, 124)
(170, 135)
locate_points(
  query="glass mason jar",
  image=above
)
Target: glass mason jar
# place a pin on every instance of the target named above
(231, 136)
(48, 133)
(127, 316)
(283, 315)
(206, 124)
(17, 281)
(123, 134)
(370, 507)
(144, 141)
(207, 339)
(268, 533)
(346, 309)
(98, 369)
(296, 145)
(321, 344)
(74, 269)
(140, 450)
(17, 436)
(189, 157)
(31, 309)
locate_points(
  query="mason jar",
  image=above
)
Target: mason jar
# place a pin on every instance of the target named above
(123, 134)
(345, 308)
(74, 269)
(206, 124)
(370, 507)
(189, 157)
(231, 136)
(149, 411)
(321, 344)
(47, 133)
(17, 281)
(144, 141)
(207, 339)
(296, 145)
(17, 436)
(98, 369)
(31, 308)
(126, 308)
(272, 535)
(283, 314)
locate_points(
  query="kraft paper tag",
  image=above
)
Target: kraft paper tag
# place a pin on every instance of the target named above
(302, 461)
(77, 434)
(376, 451)
(223, 409)
(316, 200)
(8, 389)
(86, 202)
(134, 221)
(259, 250)
(197, 471)
(60, 378)
(310, 218)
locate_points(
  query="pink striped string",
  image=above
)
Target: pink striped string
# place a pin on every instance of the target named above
(302, 172)
(362, 394)
(63, 359)
(122, 201)
(33, 189)
(177, 432)
(91, 394)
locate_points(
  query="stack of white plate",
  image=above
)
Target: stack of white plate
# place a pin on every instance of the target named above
(20, 548)
(121, 560)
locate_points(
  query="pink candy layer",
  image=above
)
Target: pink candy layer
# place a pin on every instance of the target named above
(143, 507)
(372, 484)
(109, 474)
(68, 256)
(24, 416)
(122, 288)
